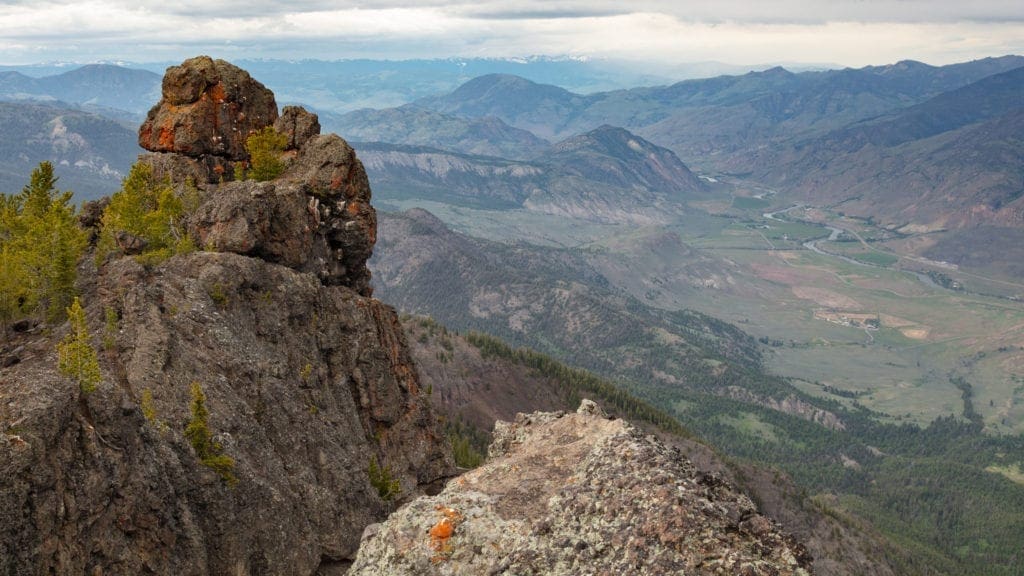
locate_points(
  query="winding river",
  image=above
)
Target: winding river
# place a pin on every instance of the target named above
(812, 245)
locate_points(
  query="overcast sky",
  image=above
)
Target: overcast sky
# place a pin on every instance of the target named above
(847, 32)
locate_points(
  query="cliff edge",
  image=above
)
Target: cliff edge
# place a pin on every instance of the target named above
(309, 385)
(580, 494)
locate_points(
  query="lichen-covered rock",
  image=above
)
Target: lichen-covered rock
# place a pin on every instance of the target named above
(307, 379)
(209, 107)
(315, 218)
(298, 124)
(304, 383)
(580, 494)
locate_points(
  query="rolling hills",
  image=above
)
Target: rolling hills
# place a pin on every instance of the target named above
(607, 174)
(90, 153)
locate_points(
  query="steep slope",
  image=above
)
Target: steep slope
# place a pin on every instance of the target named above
(949, 162)
(554, 301)
(414, 126)
(901, 479)
(592, 494)
(607, 175)
(90, 153)
(401, 172)
(473, 384)
(309, 386)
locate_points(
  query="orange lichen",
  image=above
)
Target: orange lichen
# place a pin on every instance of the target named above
(166, 138)
(217, 93)
(441, 532)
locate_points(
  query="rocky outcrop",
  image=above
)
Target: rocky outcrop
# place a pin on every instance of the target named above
(198, 129)
(580, 494)
(208, 107)
(788, 405)
(298, 124)
(307, 379)
(315, 218)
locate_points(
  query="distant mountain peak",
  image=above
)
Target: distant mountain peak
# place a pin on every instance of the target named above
(619, 157)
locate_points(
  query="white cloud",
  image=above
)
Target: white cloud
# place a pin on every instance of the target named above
(739, 31)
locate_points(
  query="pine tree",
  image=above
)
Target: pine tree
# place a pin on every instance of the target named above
(41, 192)
(197, 431)
(265, 148)
(13, 291)
(149, 209)
(41, 244)
(76, 357)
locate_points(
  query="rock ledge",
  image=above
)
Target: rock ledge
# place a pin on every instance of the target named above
(580, 494)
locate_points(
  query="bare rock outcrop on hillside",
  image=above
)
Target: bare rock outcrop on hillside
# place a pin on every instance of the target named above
(316, 217)
(209, 107)
(307, 379)
(580, 494)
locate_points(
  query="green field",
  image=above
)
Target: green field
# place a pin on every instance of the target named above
(756, 274)
(749, 203)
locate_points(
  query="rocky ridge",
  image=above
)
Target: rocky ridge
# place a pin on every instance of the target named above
(307, 379)
(580, 493)
(310, 386)
(316, 217)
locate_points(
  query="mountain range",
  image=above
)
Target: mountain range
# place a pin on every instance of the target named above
(914, 148)
(620, 228)
(607, 174)
(90, 153)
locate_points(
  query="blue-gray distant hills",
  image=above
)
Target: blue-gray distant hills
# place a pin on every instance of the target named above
(117, 91)
(916, 147)
(878, 138)
(90, 153)
(607, 174)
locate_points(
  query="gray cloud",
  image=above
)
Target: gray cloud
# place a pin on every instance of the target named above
(741, 31)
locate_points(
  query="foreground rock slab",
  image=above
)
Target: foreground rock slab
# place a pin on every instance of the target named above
(580, 494)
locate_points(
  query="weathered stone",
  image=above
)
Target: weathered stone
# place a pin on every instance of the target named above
(306, 378)
(130, 244)
(209, 107)
(327, 169)
(304, 383)
(580, 494)
(205, 169)
(315, 218)
(298, 124)
(24, 325)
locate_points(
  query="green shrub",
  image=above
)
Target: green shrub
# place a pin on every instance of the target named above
(148, 408)
(388, 488)
(218, 293)
(149, 210)
(265, 150)
(76, 358)
(197, 431)
(109, 328)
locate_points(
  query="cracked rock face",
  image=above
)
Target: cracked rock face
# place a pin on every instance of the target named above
(306, 378)
(316, 217)
(209, 107)
(580, 494)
